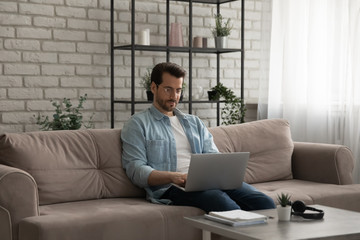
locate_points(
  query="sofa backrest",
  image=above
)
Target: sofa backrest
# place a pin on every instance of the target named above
(86, 164)
(269, 143)
(70, 165)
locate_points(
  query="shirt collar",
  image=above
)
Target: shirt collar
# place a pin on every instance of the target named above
(159, 115)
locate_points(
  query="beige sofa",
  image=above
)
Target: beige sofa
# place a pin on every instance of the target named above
(71, 185)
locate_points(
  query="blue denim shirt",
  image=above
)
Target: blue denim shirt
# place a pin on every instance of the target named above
(149, 144)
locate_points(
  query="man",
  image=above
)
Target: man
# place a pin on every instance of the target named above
(157, 145)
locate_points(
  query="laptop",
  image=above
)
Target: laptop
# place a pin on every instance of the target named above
(224, 171)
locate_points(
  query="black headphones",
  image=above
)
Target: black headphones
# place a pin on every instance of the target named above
(298, 208)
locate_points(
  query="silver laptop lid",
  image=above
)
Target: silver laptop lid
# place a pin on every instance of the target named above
(222, 171)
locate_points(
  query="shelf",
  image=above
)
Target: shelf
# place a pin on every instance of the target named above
(180, 102)
(207, 1)
(177, 49)
(130, 102)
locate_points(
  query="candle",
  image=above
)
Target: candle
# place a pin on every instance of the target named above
(144, 37)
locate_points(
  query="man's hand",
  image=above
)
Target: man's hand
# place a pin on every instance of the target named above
(162, 177)
(179, 178)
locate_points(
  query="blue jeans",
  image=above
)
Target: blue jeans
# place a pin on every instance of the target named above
(246, 198)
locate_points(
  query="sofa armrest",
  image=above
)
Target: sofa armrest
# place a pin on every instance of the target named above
(18, 199)
(324, 163)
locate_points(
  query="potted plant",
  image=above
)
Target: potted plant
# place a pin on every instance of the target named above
(221, 31)
(182, 91)
(284, 209)
(66, 116)
(234, 109)
(146, 83)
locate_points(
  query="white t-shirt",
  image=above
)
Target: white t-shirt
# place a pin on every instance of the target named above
(183, 149)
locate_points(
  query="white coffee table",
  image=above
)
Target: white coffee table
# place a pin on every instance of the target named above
(337, 224)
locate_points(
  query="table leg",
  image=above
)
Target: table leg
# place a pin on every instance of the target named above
(206, 235)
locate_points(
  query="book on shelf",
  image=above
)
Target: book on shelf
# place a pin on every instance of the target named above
(237, 217)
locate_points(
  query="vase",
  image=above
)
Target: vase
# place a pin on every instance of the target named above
(204, 44)
(213, 95)
(284, 213)
(176, 36)
(150, 96)
(221, 42)
(144, 37)
(198, 42)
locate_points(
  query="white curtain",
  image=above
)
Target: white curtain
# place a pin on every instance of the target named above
(313, 77)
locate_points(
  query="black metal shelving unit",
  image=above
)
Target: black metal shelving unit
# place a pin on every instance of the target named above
(168, 49)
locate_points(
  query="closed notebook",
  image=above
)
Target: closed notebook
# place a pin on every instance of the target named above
(236, 217)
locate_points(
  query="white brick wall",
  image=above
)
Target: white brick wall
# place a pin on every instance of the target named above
(60, 48)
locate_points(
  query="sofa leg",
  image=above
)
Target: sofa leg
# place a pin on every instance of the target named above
(206, 235)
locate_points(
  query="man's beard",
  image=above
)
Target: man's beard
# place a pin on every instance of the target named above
(164, 106)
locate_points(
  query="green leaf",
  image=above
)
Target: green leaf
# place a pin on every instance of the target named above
(66, 116)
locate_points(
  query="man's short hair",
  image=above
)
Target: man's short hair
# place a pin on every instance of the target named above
(171, 68)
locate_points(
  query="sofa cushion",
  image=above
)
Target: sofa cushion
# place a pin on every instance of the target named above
(269, 143)
(70, 165)
(339, 196)
(110, 219)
